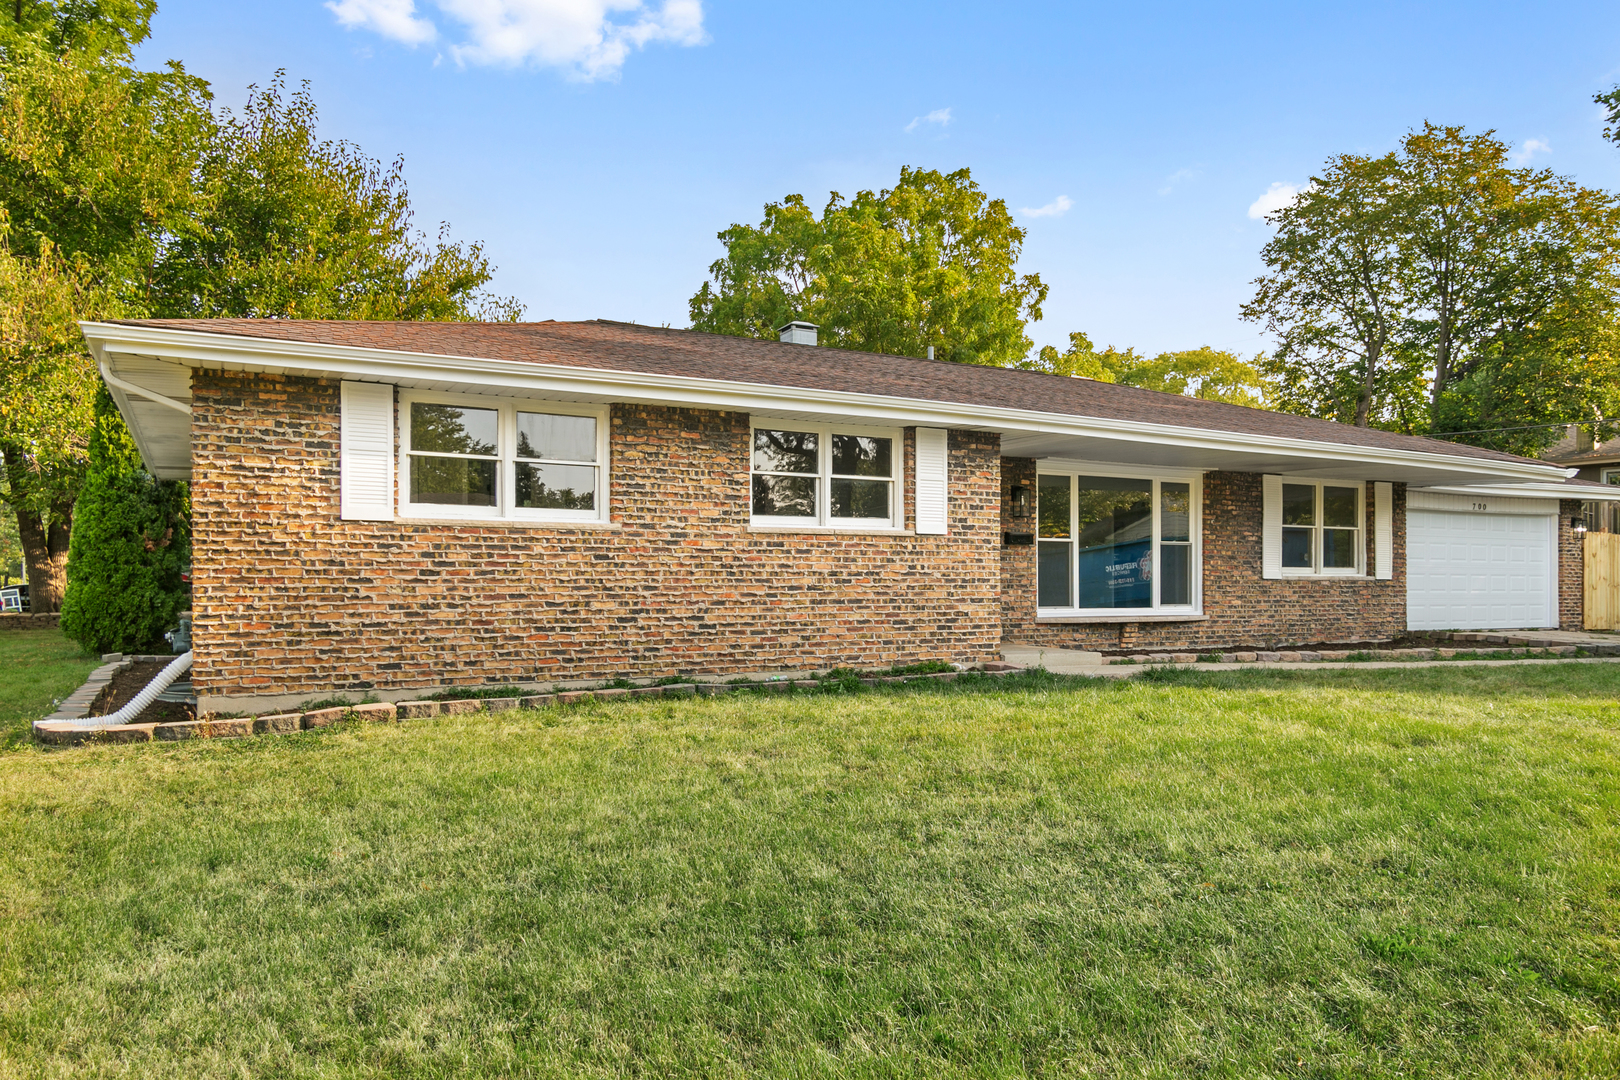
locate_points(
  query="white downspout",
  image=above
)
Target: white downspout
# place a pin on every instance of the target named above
(137, 704)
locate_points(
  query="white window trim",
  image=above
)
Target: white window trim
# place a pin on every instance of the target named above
(1611, 476)
(1158, 612)
(507, 409)
(1360, 569)
(824, 521)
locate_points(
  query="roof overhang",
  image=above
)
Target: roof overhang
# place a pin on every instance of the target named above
(159, 359)
(1583, 492)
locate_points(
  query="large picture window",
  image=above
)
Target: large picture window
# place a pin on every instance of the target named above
(476, 457)
(1112, 543)
(1321, 528)
(814, 476)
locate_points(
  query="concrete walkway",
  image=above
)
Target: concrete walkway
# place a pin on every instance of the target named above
(1077, 662)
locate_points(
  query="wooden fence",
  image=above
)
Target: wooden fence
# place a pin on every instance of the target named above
(1602, 581)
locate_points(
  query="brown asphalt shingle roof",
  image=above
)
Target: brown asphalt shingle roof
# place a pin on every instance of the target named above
(628, 347)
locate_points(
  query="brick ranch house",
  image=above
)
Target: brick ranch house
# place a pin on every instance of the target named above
(390, 507)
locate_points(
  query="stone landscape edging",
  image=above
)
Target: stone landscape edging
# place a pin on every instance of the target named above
(54, 731)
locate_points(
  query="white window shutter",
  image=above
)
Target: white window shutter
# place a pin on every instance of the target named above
(1383, 531)
(366, 455)
(1271, 527)
(932, 480)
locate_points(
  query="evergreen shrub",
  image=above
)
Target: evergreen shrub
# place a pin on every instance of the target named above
(131, 542)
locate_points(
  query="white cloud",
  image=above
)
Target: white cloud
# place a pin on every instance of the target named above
(391, 18)
(1175, 179)
(1278, 196)
(1529, 149)
(590, 39)
(942, 117)
(1056, 208)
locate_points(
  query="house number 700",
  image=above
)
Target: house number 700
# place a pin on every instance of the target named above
(1477, 506)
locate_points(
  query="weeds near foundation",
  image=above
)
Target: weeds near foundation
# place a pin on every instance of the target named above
(466, 693)
(337, 701)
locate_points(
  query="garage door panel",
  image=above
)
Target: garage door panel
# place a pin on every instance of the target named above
(1469, 571)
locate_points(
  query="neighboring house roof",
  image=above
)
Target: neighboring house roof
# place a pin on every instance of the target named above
(616, 346)
(1038, 415)
(1606, 455)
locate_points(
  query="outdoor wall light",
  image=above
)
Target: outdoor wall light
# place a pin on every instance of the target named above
(1020, 500)
(1577, 526)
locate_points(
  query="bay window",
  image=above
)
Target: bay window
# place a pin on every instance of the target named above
(1116, 543)
(821, 476)
(464, 456)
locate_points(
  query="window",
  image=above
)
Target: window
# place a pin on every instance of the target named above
(1107, 543)
(1321, 528)
(825, 476)
(476, 457)
(1611, 476)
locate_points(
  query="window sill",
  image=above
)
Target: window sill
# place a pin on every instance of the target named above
(830, 530)
(1193, 616)
(508, 523)
(1306, 575)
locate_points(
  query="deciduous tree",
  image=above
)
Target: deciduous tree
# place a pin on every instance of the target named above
(96, 163)
(1208, 373)
(287, 225)
(929, 262)
(1441, 290)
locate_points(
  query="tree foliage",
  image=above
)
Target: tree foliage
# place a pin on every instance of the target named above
(1611, 101)
(291, 226)
(126, 195)
(95, 166)
(1438, 289)
(1205, 372)
(131, 542)
(929, 262)
(47, 384)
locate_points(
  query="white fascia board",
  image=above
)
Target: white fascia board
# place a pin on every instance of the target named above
(1530, 491)
(200, 349)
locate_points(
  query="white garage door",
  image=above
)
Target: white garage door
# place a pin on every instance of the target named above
(1479, 571)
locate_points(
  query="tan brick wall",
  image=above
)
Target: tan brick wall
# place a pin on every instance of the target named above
(1571, 568)
(1243, 607)
(290, 599)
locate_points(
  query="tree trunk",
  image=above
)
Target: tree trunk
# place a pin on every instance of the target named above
(1368, 382)
(45, 550)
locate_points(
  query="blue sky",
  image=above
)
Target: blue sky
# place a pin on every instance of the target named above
(596, 147)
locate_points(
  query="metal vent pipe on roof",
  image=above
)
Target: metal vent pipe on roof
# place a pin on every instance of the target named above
(797, 333)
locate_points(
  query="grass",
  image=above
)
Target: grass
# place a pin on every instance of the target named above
(1340, 873)
(38, 668)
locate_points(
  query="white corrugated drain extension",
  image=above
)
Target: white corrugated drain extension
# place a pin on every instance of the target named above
(137, 704)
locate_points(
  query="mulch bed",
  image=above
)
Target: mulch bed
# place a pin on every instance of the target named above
(129, 682)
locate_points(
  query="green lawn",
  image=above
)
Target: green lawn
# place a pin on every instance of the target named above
(1366, 873)
(38, 668)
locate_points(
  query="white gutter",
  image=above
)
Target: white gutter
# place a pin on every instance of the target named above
(138, 704)
(386, 365)
(1531, 491)
(131, 388)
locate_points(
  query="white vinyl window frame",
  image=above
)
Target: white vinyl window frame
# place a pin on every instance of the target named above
(1195, 486)
(1611, 476)
(824, 476)
(1316, 569)
(505, 455)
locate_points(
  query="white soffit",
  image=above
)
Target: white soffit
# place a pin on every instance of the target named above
(162, 434)
(1024, 433)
